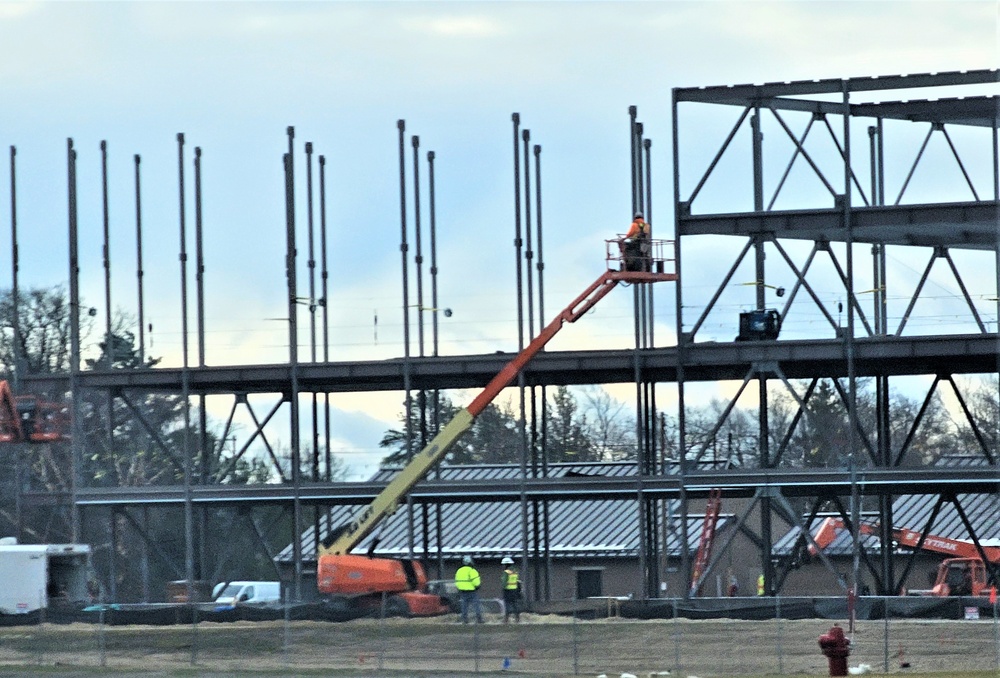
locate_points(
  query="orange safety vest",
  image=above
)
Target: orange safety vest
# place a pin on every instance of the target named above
(638, 229)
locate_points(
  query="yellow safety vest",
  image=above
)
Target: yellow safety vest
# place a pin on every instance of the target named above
(510, 581)
(760, 585)
(467, 578)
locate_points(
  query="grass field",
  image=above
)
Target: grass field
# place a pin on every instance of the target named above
(76, 672)
(541, 646)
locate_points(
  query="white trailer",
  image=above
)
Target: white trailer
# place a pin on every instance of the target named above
(37, 576)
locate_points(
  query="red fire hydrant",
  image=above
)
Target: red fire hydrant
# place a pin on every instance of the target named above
(836, 647)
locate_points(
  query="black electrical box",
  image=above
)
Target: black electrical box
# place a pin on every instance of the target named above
(759, 325)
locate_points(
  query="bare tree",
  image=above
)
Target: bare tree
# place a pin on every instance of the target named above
(611, 425)
(984, 406)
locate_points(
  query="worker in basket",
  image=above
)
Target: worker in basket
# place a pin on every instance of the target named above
(635, 246)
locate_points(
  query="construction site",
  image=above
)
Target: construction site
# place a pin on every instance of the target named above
(867, 519)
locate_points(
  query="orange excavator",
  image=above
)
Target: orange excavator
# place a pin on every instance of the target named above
(30, 419)
(964, 574)
(362, 580)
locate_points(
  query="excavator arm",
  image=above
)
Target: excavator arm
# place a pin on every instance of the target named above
(341, 540)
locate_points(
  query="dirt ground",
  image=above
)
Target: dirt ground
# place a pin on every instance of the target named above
(540, 646)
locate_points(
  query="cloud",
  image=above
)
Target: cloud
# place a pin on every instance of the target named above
(17, 10)
(233, 75)
(469, 27)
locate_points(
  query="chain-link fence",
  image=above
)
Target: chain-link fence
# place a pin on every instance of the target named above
(581, 640)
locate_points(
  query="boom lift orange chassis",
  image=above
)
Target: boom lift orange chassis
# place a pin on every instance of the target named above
(29, 419)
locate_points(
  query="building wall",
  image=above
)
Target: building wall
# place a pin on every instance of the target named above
(620, 577)
(815, 579)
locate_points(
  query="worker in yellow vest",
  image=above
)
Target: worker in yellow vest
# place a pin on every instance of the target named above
(760, 584)
(511, 583)
(467, 582)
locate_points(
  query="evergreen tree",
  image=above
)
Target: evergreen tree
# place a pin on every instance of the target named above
(568, 436)
(493, 438)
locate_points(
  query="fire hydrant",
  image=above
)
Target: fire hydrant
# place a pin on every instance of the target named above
(836, 647)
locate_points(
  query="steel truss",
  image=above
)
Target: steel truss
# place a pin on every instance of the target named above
(852, 214)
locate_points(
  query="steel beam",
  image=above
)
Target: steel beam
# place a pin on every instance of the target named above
(707, 361)
(735, 483)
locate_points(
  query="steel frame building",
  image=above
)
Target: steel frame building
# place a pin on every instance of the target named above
(852, 217)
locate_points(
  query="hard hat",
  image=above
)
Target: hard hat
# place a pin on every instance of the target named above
(638, 215)
(507, 560)
(467, 560)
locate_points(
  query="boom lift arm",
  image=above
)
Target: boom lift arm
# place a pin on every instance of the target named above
(965, 572)
(912, 539)
(346, 537)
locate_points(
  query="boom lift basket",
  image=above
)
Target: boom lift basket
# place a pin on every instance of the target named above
(657, 257)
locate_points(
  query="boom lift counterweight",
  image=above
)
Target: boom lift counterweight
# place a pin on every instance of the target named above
(365, 578)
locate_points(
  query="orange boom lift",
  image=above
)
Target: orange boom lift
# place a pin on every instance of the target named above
(30, 419)
(362, 580)
(962, 574)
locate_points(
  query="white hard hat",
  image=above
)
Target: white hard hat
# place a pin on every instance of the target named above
(507, 560)
(467, 560)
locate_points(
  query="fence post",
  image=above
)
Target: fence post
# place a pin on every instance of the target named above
(475, 644)
(996, 630)
(677, 639)
(101, 639)
(194, 629)
(576, 641)
(885, 642)
(381, 633)
(781, 634)
(41, 627)
(285, 627)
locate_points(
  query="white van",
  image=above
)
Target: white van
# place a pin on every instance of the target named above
(232, 593)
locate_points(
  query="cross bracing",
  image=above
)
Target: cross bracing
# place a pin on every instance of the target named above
(855, 150)
(856, 202)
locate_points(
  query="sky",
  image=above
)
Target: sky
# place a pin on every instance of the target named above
(233, 76)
